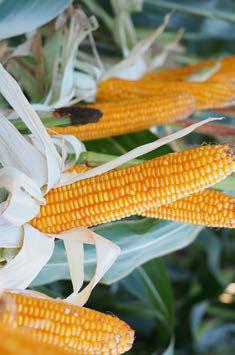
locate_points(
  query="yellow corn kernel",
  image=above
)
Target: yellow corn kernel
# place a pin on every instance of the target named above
(131, 116)
(76, 330)
(178, 73)
(225, 72)
(15, 341)
(209, 94)
(128, 191)
(209, 208)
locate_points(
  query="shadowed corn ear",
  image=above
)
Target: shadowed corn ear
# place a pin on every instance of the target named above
(128, 191)
(209, 94)
(226, 71)
(179, 73)
(77, 330)
(131, 116)
(209, 208)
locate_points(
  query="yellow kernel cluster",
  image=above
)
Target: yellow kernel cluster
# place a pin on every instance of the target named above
(206, 94)
(131, 116)
(15, 341)
(75, 330)
(209, 208)
(128, 191)
(179, 73)
(226, 72)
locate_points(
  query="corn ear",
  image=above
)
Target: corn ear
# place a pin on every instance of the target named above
(208, 208)
(76, 330)
(133, 115)
(128, 191)
(226, 72)
(207, 95)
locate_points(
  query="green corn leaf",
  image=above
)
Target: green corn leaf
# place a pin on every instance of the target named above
(22, 16)
(140, 241)
(194, 9)
(150, 285)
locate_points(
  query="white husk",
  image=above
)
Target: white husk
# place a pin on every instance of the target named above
(24, 198)
(67, 145)
(123, 29)
(134, 66)
(34, 254)
(13, 146)
(158, 60)
(70, 84)
(11, 235)
(85, 86)
(106, 254)
(70, 148)
(205, 73)
(13, 180)
(20, 208)
(14, 95)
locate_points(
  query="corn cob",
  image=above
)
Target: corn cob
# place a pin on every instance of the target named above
(77, 330)
(209, 208)
(15, 341)
(128, 191)
(224, 76)
(226, 71)
(131, 116)
(207, 94)
(179, 73)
